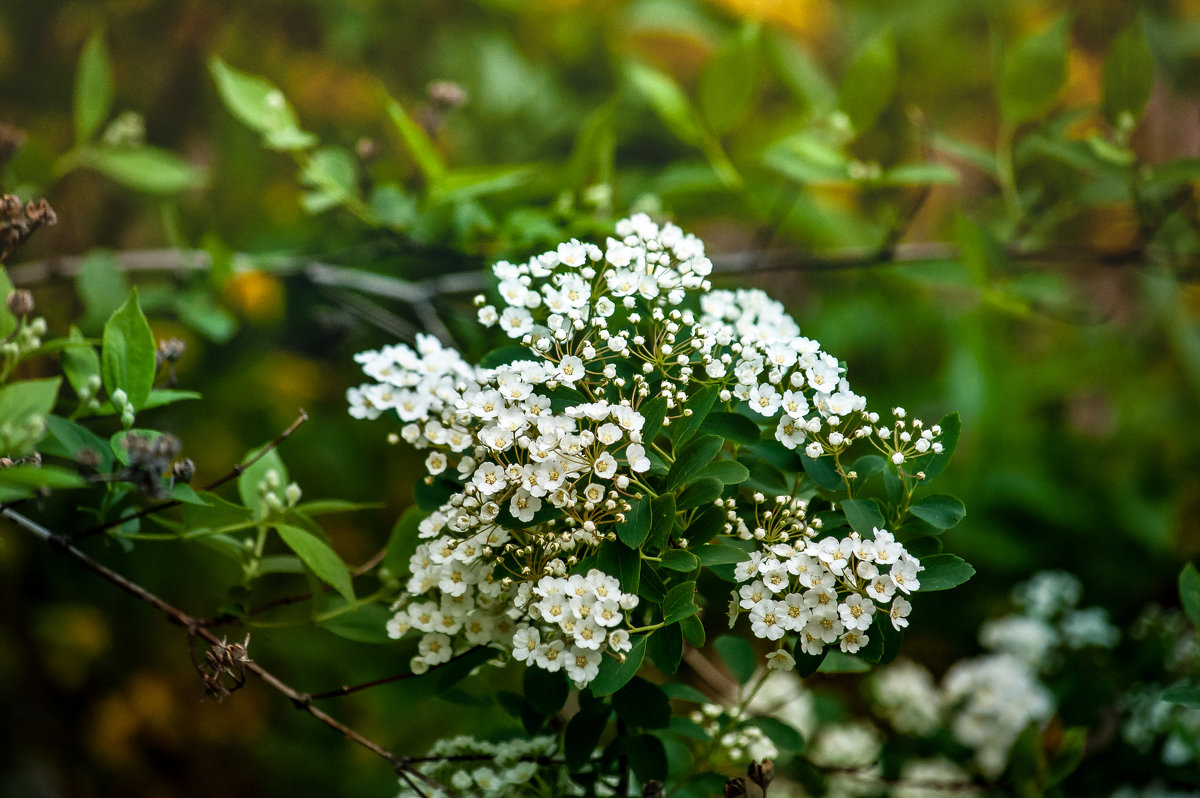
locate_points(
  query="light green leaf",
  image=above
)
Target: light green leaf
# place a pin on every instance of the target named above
(93, 87)
(144, 168)
(864, 515)
(257, 103)
(917, 174)
(80, 363)
(870, 82)
(1128, 75)
(1032, 73)
(317, 555)
(332, 178)
(25, 403)
(666, 98)
(420, 147)
(101, 286)
(256, 473)
(8, 322)
(720, 554)
(801, 73)
(460, 185)
(728, 84)
(166, 396)
(127, 356)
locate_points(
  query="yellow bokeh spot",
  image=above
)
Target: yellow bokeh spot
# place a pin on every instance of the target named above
(256, 295)
(807, 17)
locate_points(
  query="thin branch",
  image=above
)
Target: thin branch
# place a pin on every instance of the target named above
(348, 689)
(233, 473)
(401, 764)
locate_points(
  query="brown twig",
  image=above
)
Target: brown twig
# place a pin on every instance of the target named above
(303, 701)
(233, 473)
(348, 689)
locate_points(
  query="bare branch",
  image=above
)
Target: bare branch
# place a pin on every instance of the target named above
(347, 690)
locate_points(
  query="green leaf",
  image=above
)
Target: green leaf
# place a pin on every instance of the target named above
(647, 757)
(866, 467)
(840, 662)
(416, 140)
(693, 631)
(642, 705)
(23, 400)
(1066, 757)
(1128, 75)
(93, 87)
(258, 104)
(679, 602)
(951, 430)
(327, 506)
(728, 84)
(864, 515)
(332, 178)
(727, 472)
(920, 174)
(1189, 592)
(8, 322)
(583, 733)
(782, 734)
(365, 624)
(1183, 695)
(667, 99)
(502, 356)
(822, 472)
(704, 490)
(1032, 73)
(249, 479)
(699, 403)
(666, 647)
(144, 168)
(651, 585)
(801, 73)
(101, 286)
(614, 675)
(161, 397)
(317, 555)
(732, 426)
(680, 560)
(653, 411)
(870, 81)
(720, 554)
(546, 692)
(690, 459)
(634, 530)
(662, 520)
(127, 357)
(706, 525)
(617, 559)
(939, 511)
(807, 664)
(73, 438)
(738, 655)
(944, 571)
(403, 541)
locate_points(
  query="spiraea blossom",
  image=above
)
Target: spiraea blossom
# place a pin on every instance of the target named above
(540, 455)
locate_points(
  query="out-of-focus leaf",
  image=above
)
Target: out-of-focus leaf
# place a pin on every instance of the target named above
(331, 176)
(809, 159)
(317, 555)
(1189, 592)
(403, 542)
(728, 84)
(365, 624)
(460, 185)
(93, 87)
(424, 153)
(870, 81)
(1128, 75)
(248, 480)
(801, 73)
(1032, 73)
(1182, 695)
(915, 174)
(127, 356)
(738, 655)
(258, 104)
(144, 168)
(780, 733)
(80, 363)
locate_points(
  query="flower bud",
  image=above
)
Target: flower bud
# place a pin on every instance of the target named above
(20, 302)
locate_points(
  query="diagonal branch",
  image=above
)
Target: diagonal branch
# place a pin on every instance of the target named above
(401, 764)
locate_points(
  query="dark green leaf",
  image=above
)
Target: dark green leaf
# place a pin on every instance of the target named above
(642, 705)
(699, 403)
(93, 88)
(693, 631)
(807, 664)
(706, 525)
(662, 520)
(866, 467)
(666, 648)
(102, 287)
(1128, 75)
(738, 655)
(144, 168)
(951, 430)
(822, 472)
(667, 99)
(502, 356)
(402, 543)
(545, 691)
(729, 472)
(432, 494)
(685, 727)
(583, 734)
(1189, 592)
(939, 511)
(617, 559)
(780, 733)
(365, 624)
(679, 603)
(653, 411)
(719, 554)
(127, 358)
(922, 547)
(944, 571)
(732, 426)
(870, 82)
(1033, 72)
(634, 530)
(1183, 695)
(1066, 757)
(680, 560)
(704, 490)
(864, 516)
(651, 585)
(614, 675)
(317, 555)
(74, 438)
(690, 459)
(684, 692)
(647, 757)
(839, 662)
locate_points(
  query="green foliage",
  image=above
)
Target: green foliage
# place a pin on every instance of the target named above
(1033, 72)
(127, 358)
(93, 88)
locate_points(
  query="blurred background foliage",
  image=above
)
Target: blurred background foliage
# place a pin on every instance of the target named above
(987, 207)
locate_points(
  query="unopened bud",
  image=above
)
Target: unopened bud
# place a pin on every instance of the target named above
(761, 774)
(184, 470)
(20, 302)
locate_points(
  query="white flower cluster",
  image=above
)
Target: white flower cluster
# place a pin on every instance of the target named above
(476, 768)
(541, 456)
(739, 744)
(905, 695)
(824, 590)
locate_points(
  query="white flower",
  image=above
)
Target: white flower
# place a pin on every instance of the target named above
(550, 656)
(904, 575)
(899, 612)
(766, 619)
(856, 612)
(582, 665)
(780, 660)
(635, 455)
(605, 466)
(435, 648)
